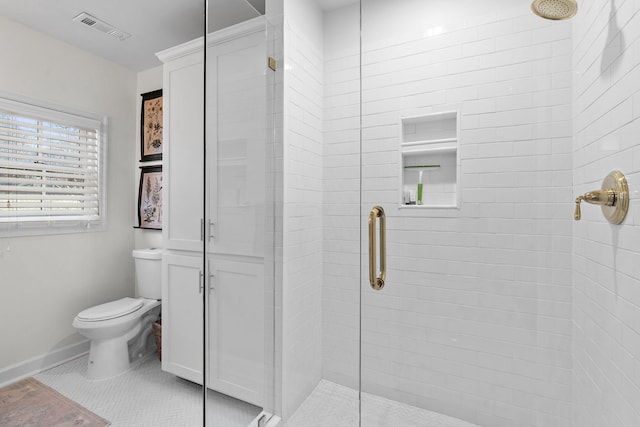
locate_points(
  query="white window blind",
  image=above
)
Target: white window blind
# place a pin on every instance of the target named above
(50, 168)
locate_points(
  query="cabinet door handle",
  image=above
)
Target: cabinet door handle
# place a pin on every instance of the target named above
(210, 276)
(200, 284)
(377, 283)
(201, 229)
(212, 234)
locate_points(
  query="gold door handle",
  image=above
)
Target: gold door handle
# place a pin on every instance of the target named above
(377, 282)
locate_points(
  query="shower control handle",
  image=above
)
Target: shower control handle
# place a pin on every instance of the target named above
(597, 197)
(613, 198)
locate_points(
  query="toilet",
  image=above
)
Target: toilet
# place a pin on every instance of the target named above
(119, 329)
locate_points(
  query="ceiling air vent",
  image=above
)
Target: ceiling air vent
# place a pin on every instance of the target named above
(103, 27)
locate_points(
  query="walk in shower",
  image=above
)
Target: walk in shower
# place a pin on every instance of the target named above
(367, 215)
(466, 130)
(455, 118)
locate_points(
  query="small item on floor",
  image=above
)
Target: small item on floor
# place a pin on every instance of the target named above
(157, 331)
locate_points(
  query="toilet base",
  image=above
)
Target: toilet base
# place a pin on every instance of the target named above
(109, 358)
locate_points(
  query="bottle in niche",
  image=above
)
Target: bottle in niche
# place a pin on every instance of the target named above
(406, 197)
(419, 199)
(412, 197)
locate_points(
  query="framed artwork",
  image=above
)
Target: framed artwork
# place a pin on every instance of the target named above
(151, 126)
(150, 198)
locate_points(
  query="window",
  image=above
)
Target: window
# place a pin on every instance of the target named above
(51, 170)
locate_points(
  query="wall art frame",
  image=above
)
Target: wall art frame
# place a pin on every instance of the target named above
(151, 126)
(150, 198)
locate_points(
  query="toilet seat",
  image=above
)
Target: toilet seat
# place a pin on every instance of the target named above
(111, 310)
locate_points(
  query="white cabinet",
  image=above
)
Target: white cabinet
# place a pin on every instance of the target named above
(236, 143)
(233, 275)
(235, 292)
(182, 316)
(183, 148)
(237, 329)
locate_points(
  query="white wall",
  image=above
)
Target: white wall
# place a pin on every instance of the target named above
(302, 203)
(475, 317)
(147, 81)
(606, 277)
(45, 281)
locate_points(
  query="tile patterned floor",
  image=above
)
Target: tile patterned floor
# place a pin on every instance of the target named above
(146, 396)
(332, 405)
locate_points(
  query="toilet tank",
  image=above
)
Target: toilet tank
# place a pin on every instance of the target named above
(148, 265)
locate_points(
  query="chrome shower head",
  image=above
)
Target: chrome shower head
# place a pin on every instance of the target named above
(555, 9)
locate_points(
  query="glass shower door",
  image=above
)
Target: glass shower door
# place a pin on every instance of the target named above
(464, 140)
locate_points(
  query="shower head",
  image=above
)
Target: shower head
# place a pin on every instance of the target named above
(555, 9)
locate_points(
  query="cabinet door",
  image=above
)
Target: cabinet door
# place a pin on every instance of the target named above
(182, 316)
(183, 153)
(236, 144)
(237, 330)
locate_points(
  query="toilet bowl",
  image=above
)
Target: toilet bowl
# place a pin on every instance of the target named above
(119, 329)
(109, 354)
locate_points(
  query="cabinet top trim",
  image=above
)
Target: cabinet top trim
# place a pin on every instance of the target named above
(226, 34)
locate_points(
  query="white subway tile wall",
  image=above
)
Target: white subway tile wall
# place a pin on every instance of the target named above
(606, 267)
(341, 197)
(475, 318)
(302, 211)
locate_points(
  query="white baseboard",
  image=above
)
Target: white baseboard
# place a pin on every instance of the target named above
(43, 362)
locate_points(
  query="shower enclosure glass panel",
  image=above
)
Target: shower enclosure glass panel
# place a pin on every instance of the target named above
(466, 103)
(79, 67)
(239, 218)
(183, 82)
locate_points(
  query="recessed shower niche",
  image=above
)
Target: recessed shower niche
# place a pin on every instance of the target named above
(430, 168)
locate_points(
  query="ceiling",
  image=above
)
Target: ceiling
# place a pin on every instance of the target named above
(154, 25)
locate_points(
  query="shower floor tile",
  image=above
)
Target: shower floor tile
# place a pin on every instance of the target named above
(332, 405)
(146, 396)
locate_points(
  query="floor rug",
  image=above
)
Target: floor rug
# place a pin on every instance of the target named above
(33, 404)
